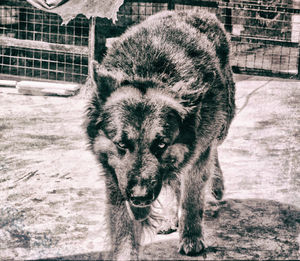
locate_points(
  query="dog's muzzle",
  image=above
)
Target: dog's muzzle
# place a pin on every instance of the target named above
(140, 198)
(143, 195)
(139, 201)
(142, 201)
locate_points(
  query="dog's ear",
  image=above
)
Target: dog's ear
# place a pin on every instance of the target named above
(106, 81)
(93, 112)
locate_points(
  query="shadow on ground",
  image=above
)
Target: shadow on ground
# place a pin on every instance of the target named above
(234, 229)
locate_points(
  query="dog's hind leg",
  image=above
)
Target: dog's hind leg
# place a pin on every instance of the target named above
(217, 180)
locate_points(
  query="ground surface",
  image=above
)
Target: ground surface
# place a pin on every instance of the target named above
(51, 189)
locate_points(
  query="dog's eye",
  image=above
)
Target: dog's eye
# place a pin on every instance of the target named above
(161, 146)
(122, 145)
(158, 147)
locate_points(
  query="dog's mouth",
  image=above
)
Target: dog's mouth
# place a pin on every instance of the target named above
(138, 212)
(140, 199)
(142, 202)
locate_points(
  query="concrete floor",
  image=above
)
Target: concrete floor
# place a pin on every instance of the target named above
(259, 217)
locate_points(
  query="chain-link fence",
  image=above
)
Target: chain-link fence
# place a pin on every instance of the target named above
(33, 43)
(265, 36)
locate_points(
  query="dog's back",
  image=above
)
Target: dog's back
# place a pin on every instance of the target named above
(168, 47)
(187, 51)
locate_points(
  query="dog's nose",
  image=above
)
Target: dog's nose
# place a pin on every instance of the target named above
(139, 191)
(141, 201)
(140, 196)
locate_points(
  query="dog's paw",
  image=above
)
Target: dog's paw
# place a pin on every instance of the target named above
(217, 188)
(191, 246)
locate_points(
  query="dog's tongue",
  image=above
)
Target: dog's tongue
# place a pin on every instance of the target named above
(136, 213)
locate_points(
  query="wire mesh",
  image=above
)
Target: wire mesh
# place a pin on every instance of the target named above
(33, 24)
(132, 12)
(265, 36)
(51, 65)
(33, 44)
(264, 33)
(210, 6)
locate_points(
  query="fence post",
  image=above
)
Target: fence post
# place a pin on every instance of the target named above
(91, 57)
(298, 61)
(171, 4)
(228, 17)
(86, 89)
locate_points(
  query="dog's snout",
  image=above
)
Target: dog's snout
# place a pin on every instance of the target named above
(142, 201)
(142, 192)
(139, 191)
(140, 196)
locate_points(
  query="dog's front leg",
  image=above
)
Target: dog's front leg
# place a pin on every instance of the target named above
(124, 231)
(192, 205)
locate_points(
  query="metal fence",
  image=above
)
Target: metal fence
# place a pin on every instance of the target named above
(33, 43)
(265, 36)
(264, 33)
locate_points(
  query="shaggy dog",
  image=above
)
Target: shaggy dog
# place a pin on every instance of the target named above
(163, 103)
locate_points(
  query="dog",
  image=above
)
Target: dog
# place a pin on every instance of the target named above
(163, 102)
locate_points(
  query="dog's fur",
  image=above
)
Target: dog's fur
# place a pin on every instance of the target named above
(163, 103)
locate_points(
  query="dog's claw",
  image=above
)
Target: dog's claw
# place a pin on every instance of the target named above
(192, 246)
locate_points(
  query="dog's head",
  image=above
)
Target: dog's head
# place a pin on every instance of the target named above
(135, 132)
